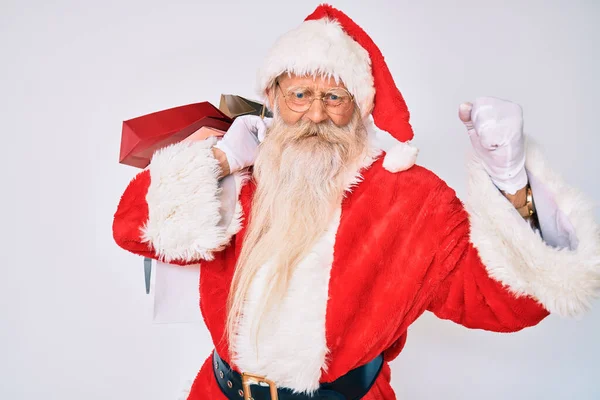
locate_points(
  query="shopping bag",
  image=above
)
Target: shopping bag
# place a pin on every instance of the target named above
(142, 136)
(233, 106)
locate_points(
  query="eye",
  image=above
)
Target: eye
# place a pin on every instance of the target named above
(336, 97)
(299, 95)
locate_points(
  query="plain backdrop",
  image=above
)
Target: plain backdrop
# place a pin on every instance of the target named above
(75, 320)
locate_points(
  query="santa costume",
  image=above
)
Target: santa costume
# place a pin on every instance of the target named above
(400, 243)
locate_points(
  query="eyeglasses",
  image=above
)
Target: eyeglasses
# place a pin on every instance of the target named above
(299, 99)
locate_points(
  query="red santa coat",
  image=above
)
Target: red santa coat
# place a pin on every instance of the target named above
(400, 244)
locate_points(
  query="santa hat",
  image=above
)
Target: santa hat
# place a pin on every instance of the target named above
(329, 43)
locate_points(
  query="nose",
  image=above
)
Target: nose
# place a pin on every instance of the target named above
(316, 113)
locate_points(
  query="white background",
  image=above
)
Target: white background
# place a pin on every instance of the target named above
(75, 321)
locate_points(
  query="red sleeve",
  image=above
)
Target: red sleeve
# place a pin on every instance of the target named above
(132, 215)
(466, 293)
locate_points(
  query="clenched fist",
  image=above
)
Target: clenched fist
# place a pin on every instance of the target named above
(495, 127)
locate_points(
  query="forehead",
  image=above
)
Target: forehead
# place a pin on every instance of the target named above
(315, 82)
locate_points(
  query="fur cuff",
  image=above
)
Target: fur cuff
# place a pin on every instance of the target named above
(564, 281)
(184, 205)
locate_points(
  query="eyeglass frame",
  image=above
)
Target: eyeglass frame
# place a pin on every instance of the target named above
(315, 98)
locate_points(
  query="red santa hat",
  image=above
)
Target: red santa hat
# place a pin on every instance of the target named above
(329, 43)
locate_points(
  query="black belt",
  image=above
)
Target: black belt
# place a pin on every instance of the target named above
(352, 386)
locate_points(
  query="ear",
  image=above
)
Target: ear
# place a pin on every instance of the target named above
(270, 98)
(366, 107)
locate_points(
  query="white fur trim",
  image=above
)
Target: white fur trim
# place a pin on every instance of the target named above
(293, 352)
(321, 47)
(184, 205)
(564, 281)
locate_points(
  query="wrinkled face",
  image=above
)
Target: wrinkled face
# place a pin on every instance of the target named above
(292, 91)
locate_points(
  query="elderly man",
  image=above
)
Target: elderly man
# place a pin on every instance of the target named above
(333, 250)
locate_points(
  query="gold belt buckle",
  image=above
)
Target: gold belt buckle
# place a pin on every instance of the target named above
(249, 379)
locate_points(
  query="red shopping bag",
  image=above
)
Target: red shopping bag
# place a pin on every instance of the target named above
(142, 136)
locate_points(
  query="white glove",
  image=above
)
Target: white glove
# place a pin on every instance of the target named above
(240, 143)
(495, 127)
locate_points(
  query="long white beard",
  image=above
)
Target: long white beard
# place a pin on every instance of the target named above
(301, 172)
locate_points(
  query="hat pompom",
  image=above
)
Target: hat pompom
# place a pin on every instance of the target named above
(400, 157)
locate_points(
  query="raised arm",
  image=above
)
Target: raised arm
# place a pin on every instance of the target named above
(499, 273)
